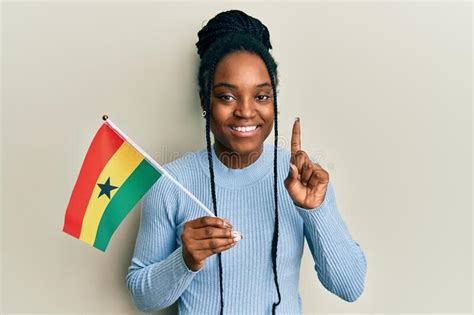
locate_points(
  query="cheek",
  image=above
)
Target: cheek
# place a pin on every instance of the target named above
(267, 114)
(221, 114)
(269, 119)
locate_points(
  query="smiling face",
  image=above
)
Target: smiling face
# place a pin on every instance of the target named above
(242, 105)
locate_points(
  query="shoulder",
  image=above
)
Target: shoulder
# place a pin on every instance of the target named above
(164, 194)
(179, 169)
(185, 165)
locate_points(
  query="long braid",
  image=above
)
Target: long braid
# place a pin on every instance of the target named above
(275, 188)
(211, 171)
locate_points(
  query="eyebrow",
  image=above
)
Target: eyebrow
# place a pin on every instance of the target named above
(231, 86)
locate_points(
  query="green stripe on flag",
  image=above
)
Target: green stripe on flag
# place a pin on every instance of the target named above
(131, 191)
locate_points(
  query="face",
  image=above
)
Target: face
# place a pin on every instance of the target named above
(242, 104)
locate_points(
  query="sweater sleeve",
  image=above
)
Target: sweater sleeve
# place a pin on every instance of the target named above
(158, 274)
(340, 263)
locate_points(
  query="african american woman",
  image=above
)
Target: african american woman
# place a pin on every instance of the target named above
(275, 198)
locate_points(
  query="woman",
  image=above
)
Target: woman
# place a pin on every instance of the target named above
(275, 198)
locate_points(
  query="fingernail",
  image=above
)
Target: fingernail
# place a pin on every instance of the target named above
(297, 119)
(236, 235)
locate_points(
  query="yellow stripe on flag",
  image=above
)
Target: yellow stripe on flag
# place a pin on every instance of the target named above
(118, 168)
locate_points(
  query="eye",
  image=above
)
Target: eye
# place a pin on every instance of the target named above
(226, 98)
(263, 97)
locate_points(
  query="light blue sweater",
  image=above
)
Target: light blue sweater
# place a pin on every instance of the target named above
(158, 276)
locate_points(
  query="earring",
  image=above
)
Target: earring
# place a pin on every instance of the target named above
(203, 113)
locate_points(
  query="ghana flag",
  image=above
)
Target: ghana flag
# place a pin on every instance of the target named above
(114, 176)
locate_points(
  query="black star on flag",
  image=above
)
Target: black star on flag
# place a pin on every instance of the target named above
(106, 188)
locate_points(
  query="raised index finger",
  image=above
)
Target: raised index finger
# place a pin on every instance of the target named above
(295, 138)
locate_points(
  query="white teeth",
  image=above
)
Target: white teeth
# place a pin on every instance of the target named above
(244, 129)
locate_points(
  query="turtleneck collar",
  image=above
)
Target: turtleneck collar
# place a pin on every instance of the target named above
(238, 177)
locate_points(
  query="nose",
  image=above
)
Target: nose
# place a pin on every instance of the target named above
(245, 109)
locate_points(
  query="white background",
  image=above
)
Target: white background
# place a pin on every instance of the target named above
(383, 89)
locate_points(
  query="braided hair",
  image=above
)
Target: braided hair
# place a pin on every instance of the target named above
(233, 31)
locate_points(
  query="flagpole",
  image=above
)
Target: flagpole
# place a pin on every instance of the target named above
(157, 166)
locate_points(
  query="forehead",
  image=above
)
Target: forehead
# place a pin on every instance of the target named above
(241, 69)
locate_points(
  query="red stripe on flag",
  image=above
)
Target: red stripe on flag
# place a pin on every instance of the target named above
(105, 143)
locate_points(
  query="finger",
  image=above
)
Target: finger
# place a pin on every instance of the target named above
(295, 138)
(313, 180)
(323, 175)
(211, 232)
(210, 252)
(318, 166)
(307, 172)
(213, 243)
(210, 221)
(319, 176)
(301, 159)
(293, 173)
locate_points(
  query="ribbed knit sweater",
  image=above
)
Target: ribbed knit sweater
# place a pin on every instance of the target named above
(158, 275)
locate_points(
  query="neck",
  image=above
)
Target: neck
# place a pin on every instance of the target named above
(236, 160)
